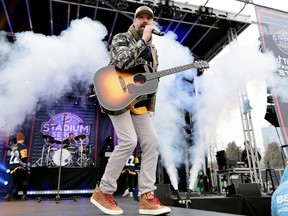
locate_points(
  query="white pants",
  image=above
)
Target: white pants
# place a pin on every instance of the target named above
(130, 128)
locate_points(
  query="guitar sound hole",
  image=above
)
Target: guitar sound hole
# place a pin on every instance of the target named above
(139, 79)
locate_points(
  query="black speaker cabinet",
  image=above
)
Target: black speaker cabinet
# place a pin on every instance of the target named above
(230, 190)
(163, 191)
(246, 189)
(249, 189)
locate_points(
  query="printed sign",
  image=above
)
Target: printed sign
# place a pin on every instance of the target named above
(62, 124)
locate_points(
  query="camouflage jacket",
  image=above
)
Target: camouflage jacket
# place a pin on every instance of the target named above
(125, 53)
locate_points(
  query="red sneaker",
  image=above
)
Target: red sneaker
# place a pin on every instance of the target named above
(150, 205)
(105, 202)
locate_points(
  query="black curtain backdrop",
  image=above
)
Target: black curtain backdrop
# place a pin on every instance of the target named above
(43, 178)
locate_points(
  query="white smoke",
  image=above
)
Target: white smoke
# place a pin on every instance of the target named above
(280, 87)
(218, 98)
(172, 99)
(38, 67)
(221, 85)
(198, 161)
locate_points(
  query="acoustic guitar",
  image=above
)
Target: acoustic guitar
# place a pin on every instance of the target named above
(116, 89)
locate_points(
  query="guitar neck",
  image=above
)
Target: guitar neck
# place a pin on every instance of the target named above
(166, 72)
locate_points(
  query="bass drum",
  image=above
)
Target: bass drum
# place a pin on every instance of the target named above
(66, 157)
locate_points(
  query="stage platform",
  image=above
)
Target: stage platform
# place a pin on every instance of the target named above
(82, 206)
(251, 204)
(201, 206)
(80, 183)
(241, 205)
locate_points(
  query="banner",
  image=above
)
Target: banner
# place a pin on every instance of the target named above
(273, 30)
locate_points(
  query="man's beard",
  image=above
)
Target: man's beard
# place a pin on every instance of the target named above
(140, 30)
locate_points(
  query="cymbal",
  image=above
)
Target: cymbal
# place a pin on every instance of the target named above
(47, 137)
(80, 137)
(54, 141)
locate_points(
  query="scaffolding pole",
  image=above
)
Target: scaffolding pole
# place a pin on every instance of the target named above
(247, 125)
(249, 137)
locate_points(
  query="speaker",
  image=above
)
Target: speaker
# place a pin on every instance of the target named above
(249, 189)
(230, 190)
(243, 189)
(163, 191)
(270, 114)
(221, 159)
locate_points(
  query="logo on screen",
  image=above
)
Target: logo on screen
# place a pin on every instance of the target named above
(281, 40)
(64, 123)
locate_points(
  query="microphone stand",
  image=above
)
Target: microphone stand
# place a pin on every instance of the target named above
(57, 198)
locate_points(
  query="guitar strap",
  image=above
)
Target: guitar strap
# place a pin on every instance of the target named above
(143, 109)
(154, 62)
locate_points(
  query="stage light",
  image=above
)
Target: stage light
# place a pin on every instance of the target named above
(270, 114)
(270, 99)
(122, 4)
(2, 167)
(170, 3)
(166, 7)
(205, 10)
(209, 10)
(169, 9)
(202, 9)
(2, 181)
(7, 170)
(163, 2)
(51, 192)
(176, 13)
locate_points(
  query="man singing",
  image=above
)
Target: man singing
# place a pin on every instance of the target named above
(127, 50)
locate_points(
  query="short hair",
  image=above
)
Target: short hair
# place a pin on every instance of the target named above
(20, 136)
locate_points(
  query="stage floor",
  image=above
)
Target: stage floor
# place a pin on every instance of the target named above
(82, 206)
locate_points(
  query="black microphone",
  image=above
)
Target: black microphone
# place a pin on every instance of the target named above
(157, 32)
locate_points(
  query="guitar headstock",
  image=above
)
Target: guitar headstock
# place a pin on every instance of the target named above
(201, 64)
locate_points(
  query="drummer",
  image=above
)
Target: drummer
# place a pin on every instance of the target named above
(70, 142)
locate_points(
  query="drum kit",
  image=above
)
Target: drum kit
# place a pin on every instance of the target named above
(79, 156)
